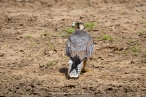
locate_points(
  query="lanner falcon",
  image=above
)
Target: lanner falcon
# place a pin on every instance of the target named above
(79, 48)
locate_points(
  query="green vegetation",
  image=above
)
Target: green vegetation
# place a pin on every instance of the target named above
(69, 30)
(46, 34)
(130, 41)
(28, 36)
(52, 47)
(89, 26)
(143, 32)
(107, 37)
(24, 59)
(144, 55)
(104, 75)
(97, 39)
(48, 38)
(48, 42)
(48, 64)
(51, 63)
(41, 53)
(33, 43)
(134, 48)
(122, 13)
(64, 34)
(143, 22)
(135, 53)
(126, 51)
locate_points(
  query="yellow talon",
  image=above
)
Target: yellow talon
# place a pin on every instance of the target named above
(85, 70)
(84, 66)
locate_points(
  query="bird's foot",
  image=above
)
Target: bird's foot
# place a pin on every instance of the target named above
(85, 70)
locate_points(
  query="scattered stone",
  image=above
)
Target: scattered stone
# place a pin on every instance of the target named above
(1, 54)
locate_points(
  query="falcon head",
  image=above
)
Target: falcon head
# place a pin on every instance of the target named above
(78, 25)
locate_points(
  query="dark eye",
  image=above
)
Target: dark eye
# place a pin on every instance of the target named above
(77, 23)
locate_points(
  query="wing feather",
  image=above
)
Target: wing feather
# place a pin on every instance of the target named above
(79, 45)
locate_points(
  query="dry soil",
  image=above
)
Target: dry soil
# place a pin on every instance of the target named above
(32, 48)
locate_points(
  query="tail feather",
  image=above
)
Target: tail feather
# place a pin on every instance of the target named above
(75, 66)
(75, 70)
(77, 59)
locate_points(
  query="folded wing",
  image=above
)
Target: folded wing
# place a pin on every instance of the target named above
(80, 45)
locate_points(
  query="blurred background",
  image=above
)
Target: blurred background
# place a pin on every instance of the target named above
(67, 3)
(33, 36)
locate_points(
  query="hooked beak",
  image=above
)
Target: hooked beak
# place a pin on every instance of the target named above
(73, 24)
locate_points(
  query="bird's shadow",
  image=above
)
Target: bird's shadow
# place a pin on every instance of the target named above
(65, 71)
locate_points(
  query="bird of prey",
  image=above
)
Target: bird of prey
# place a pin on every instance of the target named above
(79, 48)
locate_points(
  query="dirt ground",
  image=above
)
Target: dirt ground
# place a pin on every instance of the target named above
(32, 48)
